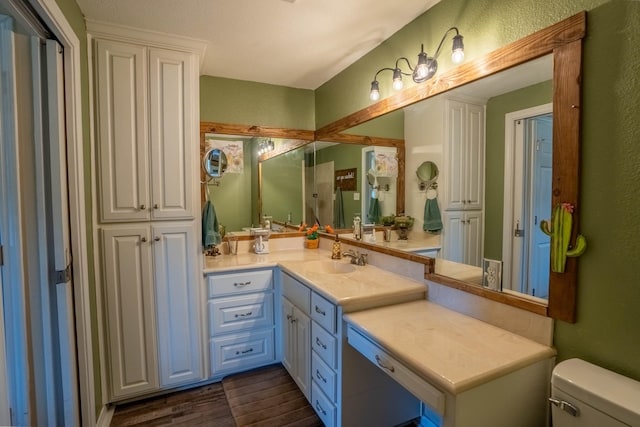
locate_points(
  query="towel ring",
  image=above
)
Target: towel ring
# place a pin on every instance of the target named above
(432, 193)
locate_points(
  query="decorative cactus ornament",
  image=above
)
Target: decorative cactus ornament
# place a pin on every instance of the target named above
(559, 229)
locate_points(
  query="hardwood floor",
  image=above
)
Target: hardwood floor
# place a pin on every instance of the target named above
(261, 397)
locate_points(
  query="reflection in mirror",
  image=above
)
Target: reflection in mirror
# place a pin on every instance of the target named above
(214, 162)
(380, 186)
(474, 194)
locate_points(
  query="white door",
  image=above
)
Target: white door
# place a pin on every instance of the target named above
(527, 190)
(541, 147)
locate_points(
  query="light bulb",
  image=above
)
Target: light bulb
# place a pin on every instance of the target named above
(397, 79)
(374, 94)
(457, 51)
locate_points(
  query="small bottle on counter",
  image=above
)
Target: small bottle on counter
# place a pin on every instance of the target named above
(336, 250)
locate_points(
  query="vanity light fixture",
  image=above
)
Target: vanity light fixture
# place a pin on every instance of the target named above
(425, 68)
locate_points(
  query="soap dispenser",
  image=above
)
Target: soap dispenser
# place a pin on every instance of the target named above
(335, 250)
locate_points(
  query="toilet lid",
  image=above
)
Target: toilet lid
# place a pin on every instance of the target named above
(609, 392)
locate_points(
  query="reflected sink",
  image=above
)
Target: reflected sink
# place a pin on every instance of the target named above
(331, 267)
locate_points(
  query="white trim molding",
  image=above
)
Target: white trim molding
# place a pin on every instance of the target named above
(52, 15)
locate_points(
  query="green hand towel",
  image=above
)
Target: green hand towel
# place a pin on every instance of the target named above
(210, 234)
(432, 219)
(373, 216)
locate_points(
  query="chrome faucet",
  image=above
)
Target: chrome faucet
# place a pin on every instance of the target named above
(356, 257)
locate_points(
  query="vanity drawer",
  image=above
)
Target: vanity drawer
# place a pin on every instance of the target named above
(236, 352)
(412, 382)
(323, 312)
(296, 292)
(324, 344)
(240, 312)
(324, 376)
(323, 407)
(248, 281)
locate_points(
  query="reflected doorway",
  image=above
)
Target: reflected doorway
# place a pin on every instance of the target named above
(528, 172)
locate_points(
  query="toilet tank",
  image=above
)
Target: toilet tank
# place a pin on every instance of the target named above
(586, 395)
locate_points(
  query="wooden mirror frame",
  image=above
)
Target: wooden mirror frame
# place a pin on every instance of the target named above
(564, 41)
(298, 138)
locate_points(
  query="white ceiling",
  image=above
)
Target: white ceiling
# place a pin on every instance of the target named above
(295, 43)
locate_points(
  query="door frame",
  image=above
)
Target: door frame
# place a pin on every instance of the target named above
(510, 151)
(54, 18)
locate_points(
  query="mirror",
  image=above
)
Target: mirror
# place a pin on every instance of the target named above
(564, 42)
(427, 174)
(214, 162)
(281, 184)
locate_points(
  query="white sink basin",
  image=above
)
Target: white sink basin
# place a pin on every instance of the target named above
(331, 267)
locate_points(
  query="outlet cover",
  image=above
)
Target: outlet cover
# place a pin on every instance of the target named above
(356, 196)
(492, 277)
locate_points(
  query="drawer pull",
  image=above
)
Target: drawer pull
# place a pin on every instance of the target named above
(245, 351)
(382, 365)
(241, 284)
(289, 317)
(319, 311)
(320, 377)
(320, 343)
(244, 314)
(319, 408)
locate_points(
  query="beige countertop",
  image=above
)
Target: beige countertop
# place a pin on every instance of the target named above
(451, 351)
(360, 288)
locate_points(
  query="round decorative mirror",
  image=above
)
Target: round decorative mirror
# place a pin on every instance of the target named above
(427, 172)
(214, 162)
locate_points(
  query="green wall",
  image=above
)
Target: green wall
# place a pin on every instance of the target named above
(242, 102)
(497, 108)
(282, 186)
(609, 283)
(233, 197)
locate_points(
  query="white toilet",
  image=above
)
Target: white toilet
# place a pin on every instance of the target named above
(586, 395)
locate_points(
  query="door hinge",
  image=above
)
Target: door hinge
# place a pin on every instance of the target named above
(62, 276)
(1, 255)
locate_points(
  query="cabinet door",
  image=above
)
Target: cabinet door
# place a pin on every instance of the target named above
(177, 302)
(302, 357)
(473, 238)
(173, 137)
(121, 91)
(474, 157)
(453, 234)
(288, 336)
(455, 124)
(129, 310)
(296, 345)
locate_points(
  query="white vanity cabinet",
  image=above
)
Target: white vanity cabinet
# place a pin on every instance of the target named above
(146, 131)
(241, 320)
(342, 387)
(151, 305)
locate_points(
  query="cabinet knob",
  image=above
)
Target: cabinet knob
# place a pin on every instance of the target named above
(157, 238)
(143, 207)
(143, 240)
(155, 206)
